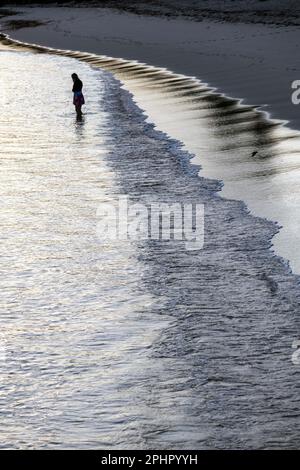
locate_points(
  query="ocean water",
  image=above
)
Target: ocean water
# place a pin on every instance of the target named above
(256, 158)
(130, 344)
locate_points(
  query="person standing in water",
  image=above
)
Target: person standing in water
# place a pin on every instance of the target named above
(78, 99)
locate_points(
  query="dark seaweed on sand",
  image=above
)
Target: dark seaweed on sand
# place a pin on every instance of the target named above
(19, 24)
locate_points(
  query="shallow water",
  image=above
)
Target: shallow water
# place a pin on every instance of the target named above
(256, 158)
(255, 62)
(130, 344)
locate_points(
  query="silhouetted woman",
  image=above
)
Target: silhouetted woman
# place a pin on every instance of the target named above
(78, 99)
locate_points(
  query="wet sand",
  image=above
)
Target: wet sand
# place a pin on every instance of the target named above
(257, 159)
(251, 61)
(216, 370)
(138, 344)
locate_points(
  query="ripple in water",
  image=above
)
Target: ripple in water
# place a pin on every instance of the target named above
(130, 345)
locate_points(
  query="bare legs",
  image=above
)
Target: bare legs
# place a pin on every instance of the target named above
(78, 111)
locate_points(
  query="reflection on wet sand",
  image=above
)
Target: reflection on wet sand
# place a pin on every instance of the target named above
(233, 306)
(257, 159)
(143, 345)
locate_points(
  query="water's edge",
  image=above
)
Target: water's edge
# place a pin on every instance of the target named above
(142, 71)
(226, 357)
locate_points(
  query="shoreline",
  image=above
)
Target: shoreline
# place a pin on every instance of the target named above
(257, 132)
(145, 344)
(256, 63)
(138, 77)
(139, 310)
(270, 12)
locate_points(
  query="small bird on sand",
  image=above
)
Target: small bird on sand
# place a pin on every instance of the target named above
(271, 283)
(254, 153)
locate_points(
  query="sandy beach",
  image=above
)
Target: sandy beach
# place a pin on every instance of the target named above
(141, 343)
(250, 58)
(252, 62)
(131, 344)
